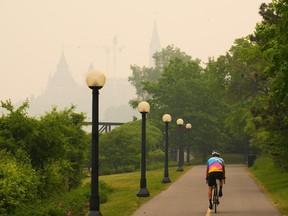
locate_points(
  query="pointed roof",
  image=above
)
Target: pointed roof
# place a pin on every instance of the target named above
(154, 44)
(62, 77)
(91, 67)
(62, 67)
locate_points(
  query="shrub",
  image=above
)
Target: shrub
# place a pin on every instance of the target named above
(18, 183)
(76, 200)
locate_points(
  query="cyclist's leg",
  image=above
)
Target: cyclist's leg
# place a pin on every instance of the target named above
(210, 196)
(211, 182)
(221, 182)
(210, 192)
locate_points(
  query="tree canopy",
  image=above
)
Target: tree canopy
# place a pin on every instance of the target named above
(240, 98)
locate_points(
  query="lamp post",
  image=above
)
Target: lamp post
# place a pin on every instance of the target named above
(166, 119)
(95, 80)
(143, 108)
(180, 122)
(188, 127)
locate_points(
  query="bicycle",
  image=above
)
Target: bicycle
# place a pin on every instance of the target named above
(215, 197)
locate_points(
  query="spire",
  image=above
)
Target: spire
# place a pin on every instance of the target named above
(91, 67)
(62, 77)
(62, 67)
(154, 44)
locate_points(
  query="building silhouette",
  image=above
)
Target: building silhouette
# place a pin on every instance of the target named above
(154, 45)
(62, 91)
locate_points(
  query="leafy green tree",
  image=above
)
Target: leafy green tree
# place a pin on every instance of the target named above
(182, 92)
(241, 81)
(271, 35)
(253, 79)
(142, 74)
(120, 149)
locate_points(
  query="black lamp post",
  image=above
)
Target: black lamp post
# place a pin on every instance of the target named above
(188, 127)
(166, 119)
(143, 108)
(180, 122)
(95, 80)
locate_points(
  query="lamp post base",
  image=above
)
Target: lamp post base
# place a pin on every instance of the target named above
(166, 180)
(143, 192)
(94, 213)
(180, 169)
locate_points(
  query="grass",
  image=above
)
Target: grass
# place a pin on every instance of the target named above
(123, 201)
(273, 181)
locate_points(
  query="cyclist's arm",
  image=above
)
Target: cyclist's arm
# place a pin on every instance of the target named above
(223, 167)
(224, 176)
(207, 171)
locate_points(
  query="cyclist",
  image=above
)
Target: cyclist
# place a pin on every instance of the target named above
(215, 170)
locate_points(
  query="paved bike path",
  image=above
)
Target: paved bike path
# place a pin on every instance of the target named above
(188, 196)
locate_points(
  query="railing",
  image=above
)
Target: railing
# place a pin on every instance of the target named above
(106, 126)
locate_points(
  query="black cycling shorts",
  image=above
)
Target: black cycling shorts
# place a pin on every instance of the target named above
(213, 176)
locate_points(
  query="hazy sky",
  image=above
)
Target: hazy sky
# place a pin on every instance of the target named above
(33, 34)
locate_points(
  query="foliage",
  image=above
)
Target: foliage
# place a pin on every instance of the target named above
(16, 127)
(271, 113)
(182, 92)
(18, 182)
(60, 144)
(49, 154)
(120, 149)
(117, 196)
(76, 200)
(141, 75)
(240, 98)
(253, 79)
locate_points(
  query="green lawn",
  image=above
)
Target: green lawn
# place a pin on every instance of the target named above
(273, 181)
(123, 201)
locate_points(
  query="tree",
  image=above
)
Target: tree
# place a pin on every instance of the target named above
(142, 74)
(120, 149)
(241, 82)
(182, 92)
(271, 116)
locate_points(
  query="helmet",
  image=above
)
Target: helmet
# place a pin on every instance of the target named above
(215, 154)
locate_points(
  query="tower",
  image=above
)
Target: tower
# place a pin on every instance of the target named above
(62, 81)
(154, 45)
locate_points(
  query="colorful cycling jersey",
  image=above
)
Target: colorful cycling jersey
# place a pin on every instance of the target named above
(215, 164)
